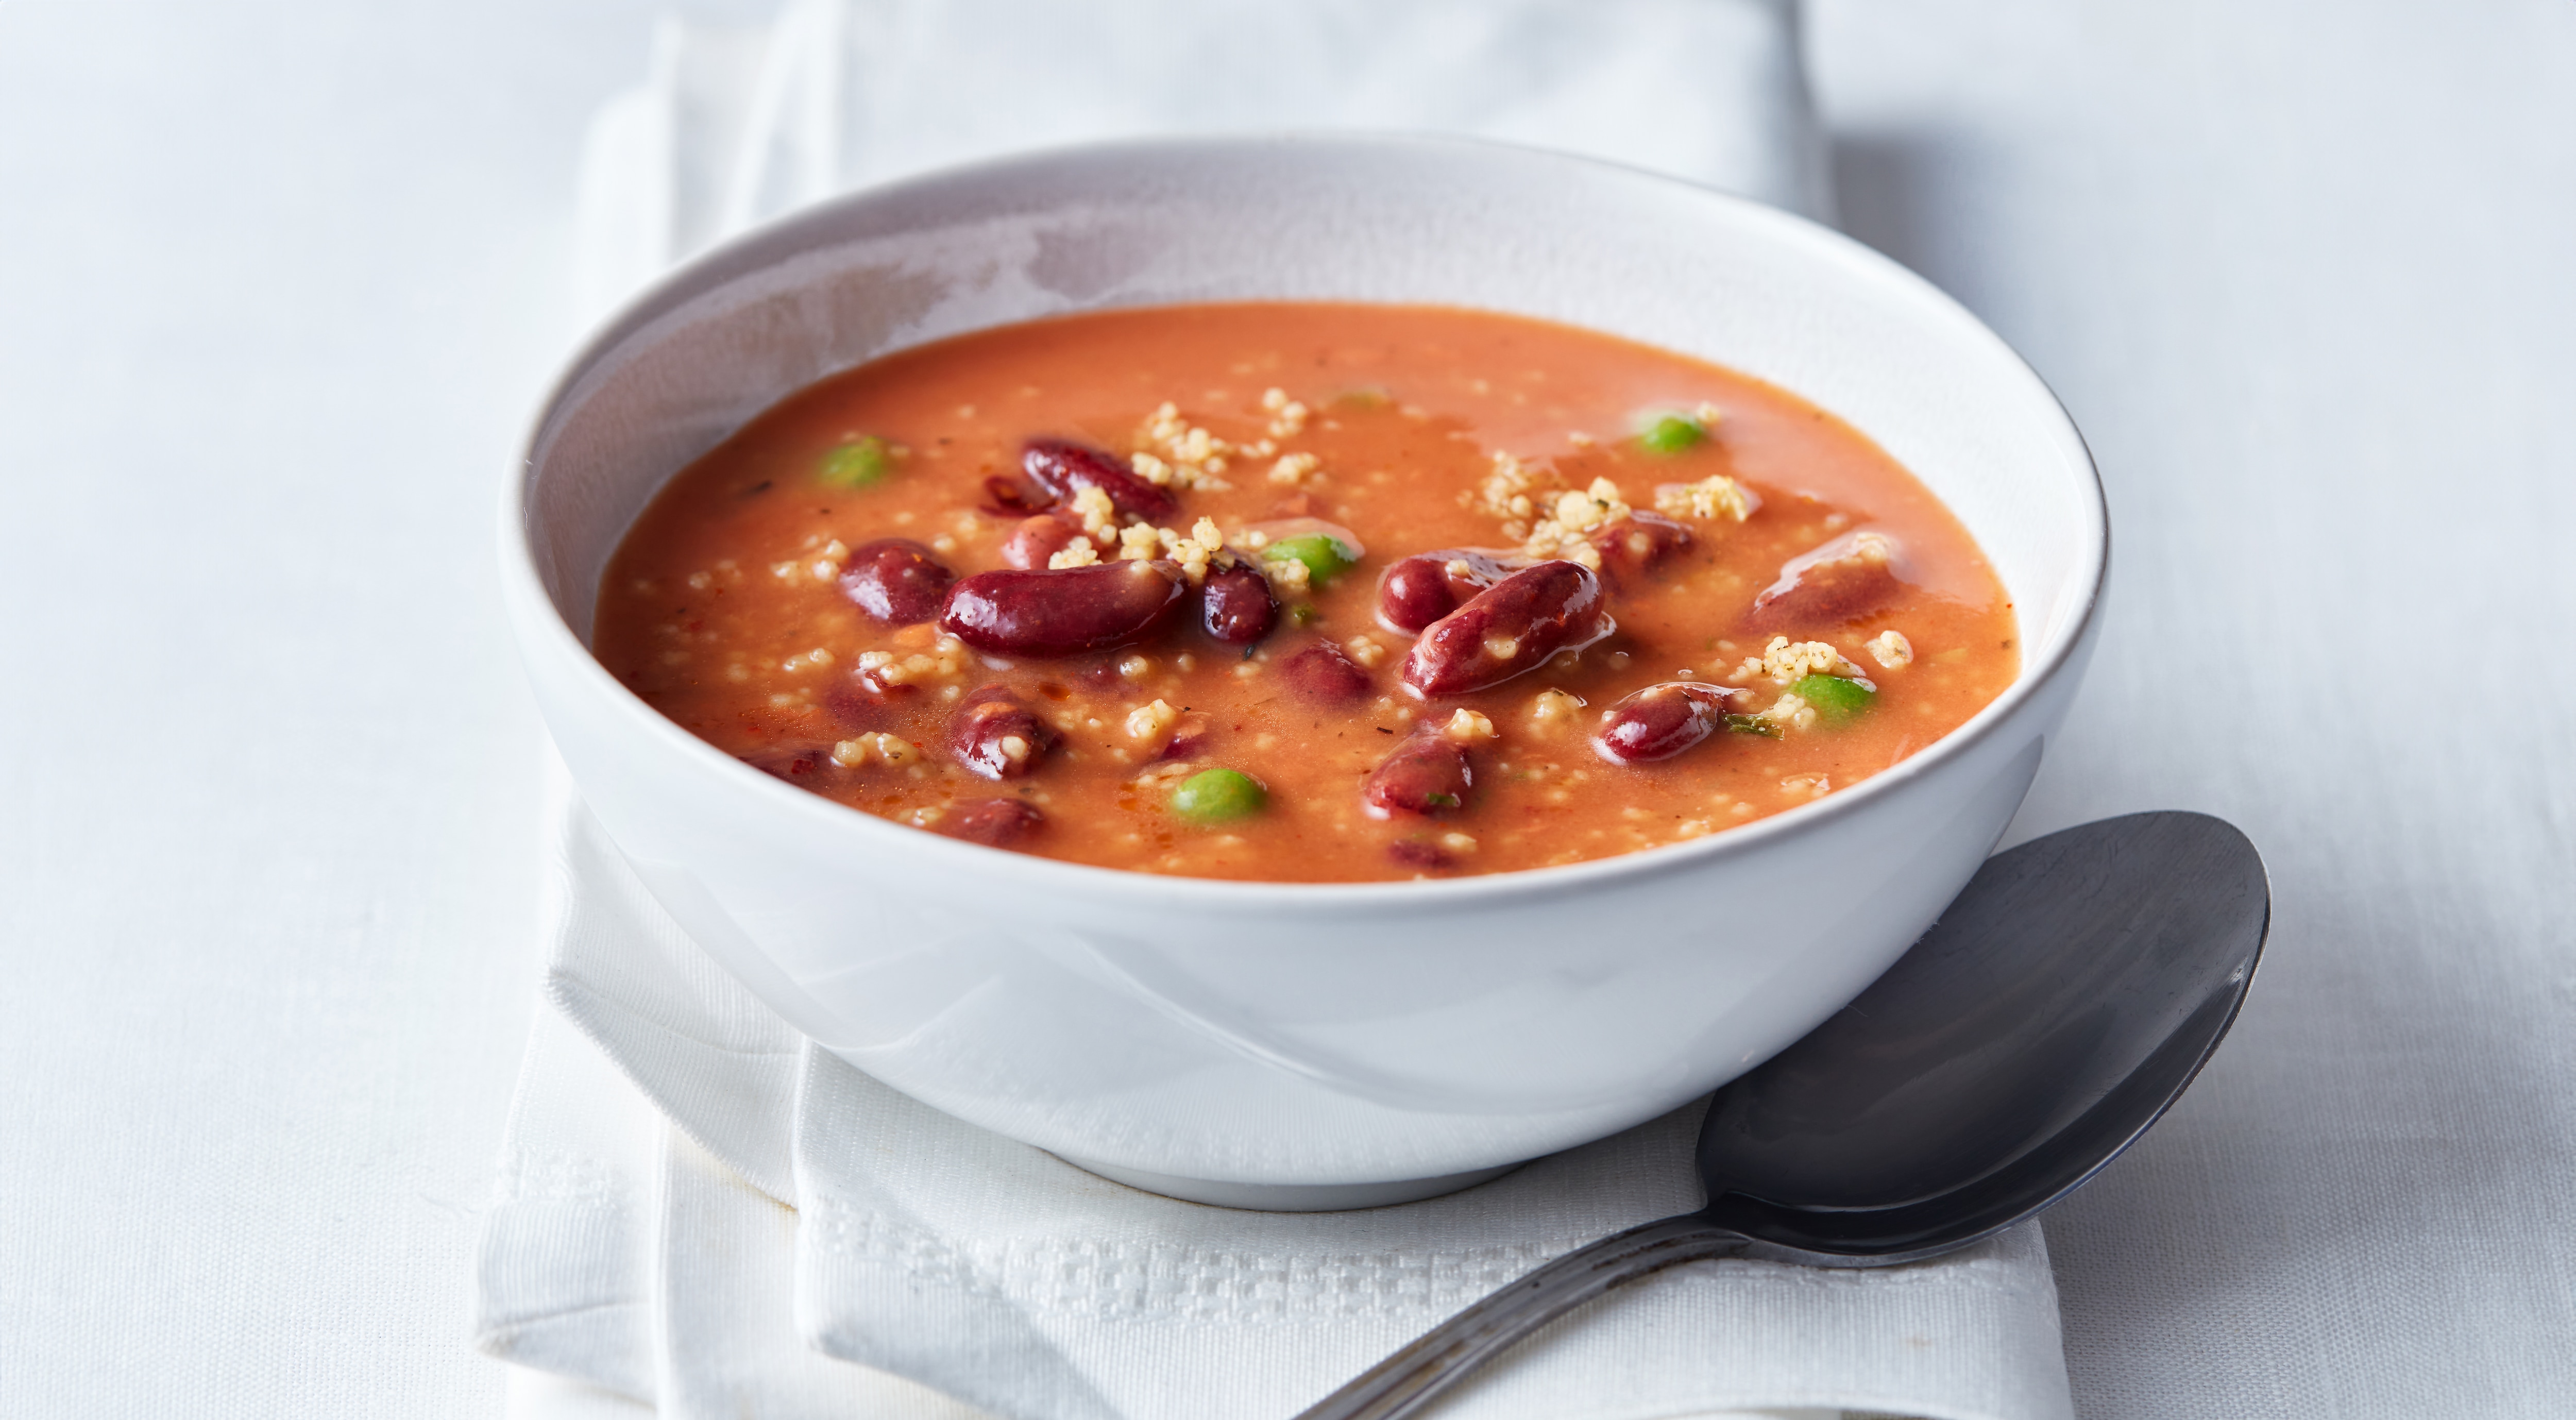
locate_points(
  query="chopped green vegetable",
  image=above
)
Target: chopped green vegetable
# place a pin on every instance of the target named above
(1304, 614)
(857, 464)
(1835, 698)
(1752, 725)
(1323, 554)
(1219, 796)
(1442, 801)
(1671, 433)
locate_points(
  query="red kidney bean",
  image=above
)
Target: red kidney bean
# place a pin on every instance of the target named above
(996, 736)
(1423, 857)
(1632, 546)
(1510, 627)
(995, 823)
(1325, 674)
(1427, 586)
(1190, 735)
(796, 766)
(896, 580)
(1844, 580)
(1235, 605)
(1006, 497)
(1065, 468)
(1063, 612)
(1037, 539)
(1661, 721)
(1426, 773)
(858, 702)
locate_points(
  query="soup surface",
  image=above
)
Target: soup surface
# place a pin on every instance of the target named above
(1305, 591)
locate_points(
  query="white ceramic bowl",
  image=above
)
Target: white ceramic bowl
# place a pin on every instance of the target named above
(1277, 1044)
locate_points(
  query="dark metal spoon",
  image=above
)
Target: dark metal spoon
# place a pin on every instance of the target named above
(2060, 1005)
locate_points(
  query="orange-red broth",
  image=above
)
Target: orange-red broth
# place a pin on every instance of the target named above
(713, 611)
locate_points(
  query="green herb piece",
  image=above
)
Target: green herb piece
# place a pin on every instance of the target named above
(1219, 796)
(1442, 801)
(1365, 398)
(1752, 725)
(1304, 614)
(1323, 554)
(1671, 433)
(1835, 698)
(860, 463)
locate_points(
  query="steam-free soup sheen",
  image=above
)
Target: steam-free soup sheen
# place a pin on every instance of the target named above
(1308, 592)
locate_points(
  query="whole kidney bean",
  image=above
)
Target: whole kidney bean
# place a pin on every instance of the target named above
(1510, 627)
(1235, 605)
(1661, 721)
(1037, 539)
(994, 735)
(995, 823)
(1325, 674)
(859, 702)
(1632, 546)
(1426, 773)
(1427, 586)
(896, 580)
(1065, 468)
(1844, 580)
(1063, 612)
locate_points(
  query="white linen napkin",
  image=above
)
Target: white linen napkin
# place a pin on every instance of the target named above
(699, 1215)
(793, 1210)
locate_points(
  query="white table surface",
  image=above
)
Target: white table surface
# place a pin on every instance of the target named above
(278, 283)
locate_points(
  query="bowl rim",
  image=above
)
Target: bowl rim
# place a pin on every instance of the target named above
(542, 628)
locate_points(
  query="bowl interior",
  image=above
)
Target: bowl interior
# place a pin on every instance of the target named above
(1368, 219)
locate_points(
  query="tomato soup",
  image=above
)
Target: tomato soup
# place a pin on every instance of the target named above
(1305, 592)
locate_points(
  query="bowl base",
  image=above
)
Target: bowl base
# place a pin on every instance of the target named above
(1290, 1197)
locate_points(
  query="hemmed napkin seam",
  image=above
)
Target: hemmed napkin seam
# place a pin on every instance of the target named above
(926, 1259)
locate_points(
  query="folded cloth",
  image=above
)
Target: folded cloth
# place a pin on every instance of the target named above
(699, 1214)
(795, 1210)
(739, 125)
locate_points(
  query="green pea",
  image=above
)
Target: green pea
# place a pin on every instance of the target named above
(1323, 554)
(857, 464)
(1219, 796)
(1836, 699)
(1671, 433)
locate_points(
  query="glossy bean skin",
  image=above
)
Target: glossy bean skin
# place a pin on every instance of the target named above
(1064, 468)
(1235, 605)
(1426, 773)
(1037, 539)
(1635, 545)
(1419, 590)
(896, 580)
(1842, 581)
(1509, 628)
(986, 729)
(1325, 675)
(1663, 720)
(995, 823)
(1063, 612)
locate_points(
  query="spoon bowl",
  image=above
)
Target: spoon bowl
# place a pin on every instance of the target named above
(2060, 1005)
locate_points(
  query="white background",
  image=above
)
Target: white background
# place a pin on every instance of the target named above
(278, 284)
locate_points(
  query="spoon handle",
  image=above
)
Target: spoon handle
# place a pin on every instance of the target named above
(1441, 1357)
